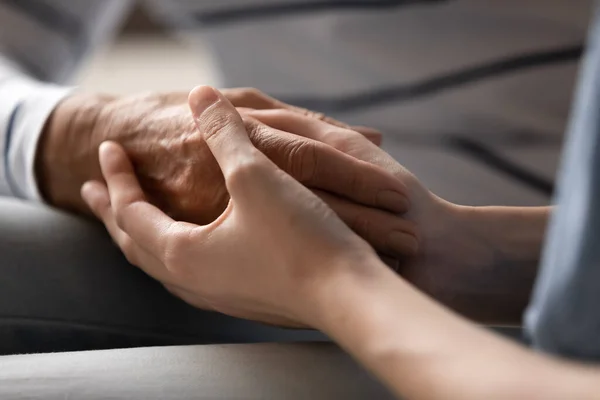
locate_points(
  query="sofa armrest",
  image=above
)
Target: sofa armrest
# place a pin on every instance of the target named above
(243, 371)
(66, 287)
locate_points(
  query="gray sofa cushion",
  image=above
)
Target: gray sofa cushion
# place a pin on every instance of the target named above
(252, 371)
(65, 286)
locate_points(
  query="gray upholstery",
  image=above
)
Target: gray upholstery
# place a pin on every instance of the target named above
(65, 286)
(250, 371)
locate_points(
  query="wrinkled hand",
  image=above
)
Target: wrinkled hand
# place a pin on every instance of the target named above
(263, 258)
(180, 175)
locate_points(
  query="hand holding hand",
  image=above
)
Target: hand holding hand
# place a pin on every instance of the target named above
(265, 257)
(452, 264)
(180, 175)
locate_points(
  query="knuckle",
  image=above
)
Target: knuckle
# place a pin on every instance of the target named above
(244, 171)
(102, 209)
(314, 114)
(254, 92)
(120, 218)
(128, 248)
(284, 114)
(121, 215)
(244, 112)
(247, 97)
(356, 183)
(341, 139)
(349, 134)
(361, 224)
(177, 243)
(258, 99)
(303, 160)
(254, 127)
(262, 137)
(410, 227)
(215, 123)
(171, 261)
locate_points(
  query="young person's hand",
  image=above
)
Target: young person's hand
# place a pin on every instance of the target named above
(266, 257)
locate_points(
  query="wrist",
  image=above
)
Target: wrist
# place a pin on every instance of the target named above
(66, 156)
(493, 253)
(443, 234)
(334, 299)
(485, 237)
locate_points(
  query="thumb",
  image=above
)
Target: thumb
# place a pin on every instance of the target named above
(244, 167)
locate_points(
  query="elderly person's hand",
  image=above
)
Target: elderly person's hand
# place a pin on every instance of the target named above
(180, 175)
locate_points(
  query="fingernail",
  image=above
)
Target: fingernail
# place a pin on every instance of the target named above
(403, 243)
(392, 201)
(202, 97)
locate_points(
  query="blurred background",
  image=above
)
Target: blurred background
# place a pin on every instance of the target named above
(141, 54)
(473, 97)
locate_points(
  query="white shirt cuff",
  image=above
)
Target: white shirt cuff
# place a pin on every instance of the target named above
(24, 129)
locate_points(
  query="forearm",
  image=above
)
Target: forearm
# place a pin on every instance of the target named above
(423, 351)
(513, 235)
(482, 261)
(513, 238)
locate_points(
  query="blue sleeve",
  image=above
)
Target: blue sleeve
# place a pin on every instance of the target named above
(564, 315)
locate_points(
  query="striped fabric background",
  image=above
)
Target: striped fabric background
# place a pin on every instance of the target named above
(473, 96)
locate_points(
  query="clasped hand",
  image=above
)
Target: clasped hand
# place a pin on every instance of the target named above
(264, 258)
(180, 175)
